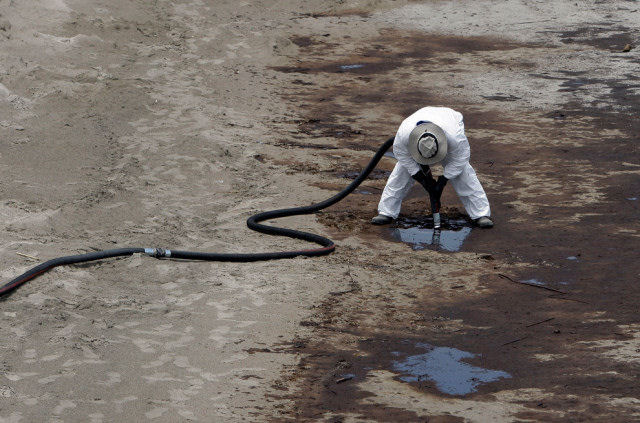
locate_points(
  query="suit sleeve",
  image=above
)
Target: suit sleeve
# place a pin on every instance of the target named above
(458, 154)
(401, 151)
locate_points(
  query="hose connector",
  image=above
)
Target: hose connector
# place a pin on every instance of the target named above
(436, 221)
(157, 252)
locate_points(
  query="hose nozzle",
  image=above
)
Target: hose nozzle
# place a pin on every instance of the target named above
(436, 221)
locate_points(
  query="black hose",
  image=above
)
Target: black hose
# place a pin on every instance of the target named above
(253, 223)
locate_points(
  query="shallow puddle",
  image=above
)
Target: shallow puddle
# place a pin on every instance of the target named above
(419, 233)
(349, 67)
(442, 366)
(534, 282)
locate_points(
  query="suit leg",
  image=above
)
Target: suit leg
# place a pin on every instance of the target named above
(471, 193)
(398, 186)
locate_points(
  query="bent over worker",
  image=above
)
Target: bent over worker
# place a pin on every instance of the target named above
(429, 136)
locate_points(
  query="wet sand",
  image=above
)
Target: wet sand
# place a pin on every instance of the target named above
(169, 123)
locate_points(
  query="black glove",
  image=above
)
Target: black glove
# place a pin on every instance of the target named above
(440, 184)
(425, 178)
(437, 193)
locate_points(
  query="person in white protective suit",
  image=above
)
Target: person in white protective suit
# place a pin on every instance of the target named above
(429, 136)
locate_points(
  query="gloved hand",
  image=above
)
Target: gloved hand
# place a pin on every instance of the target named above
(425, 178)
(440, 184)
(436, 193)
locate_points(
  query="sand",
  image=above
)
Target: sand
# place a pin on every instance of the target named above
(168, 123)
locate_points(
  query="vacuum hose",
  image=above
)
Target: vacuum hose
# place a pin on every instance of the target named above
(253, 223)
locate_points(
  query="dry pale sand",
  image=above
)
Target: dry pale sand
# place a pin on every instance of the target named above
(168, 123)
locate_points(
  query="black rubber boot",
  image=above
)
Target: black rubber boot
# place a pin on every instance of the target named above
(381, 219)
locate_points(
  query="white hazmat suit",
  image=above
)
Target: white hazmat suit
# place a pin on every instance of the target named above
(456, 164)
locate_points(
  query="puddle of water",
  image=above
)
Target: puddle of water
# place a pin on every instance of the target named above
(420, 238)
(420, 234)
(537, 282)
(572, 258)
(558, 115)
(632, 198)
(348, 376)
(534, 282)
(442, 366)
(349, 67)
(362, 191)
(389, 153)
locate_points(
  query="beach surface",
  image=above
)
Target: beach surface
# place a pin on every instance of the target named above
(168, 123)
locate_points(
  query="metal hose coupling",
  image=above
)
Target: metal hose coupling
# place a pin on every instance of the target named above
(436, 221)
(157, 252)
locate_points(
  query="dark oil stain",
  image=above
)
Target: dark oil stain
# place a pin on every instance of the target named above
(355, 71)
(604, 279)
(364, 67)
(602, 36)
(289, 143)
(395, 50)
(340, 13)
(501, 97)
(334, 386)
(301, 82)
(557, 114)
(374, 175)
(303, 41)
(414, 44)
(322, 127)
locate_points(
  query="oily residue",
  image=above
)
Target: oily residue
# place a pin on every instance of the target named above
(501, 97)
(370, 66)
(602, 36)
(340, 13)
(289, 143)
(540, 199)
(343, 87)
(303, 41)
(393, 50)
(333, 384)
(375, 174)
